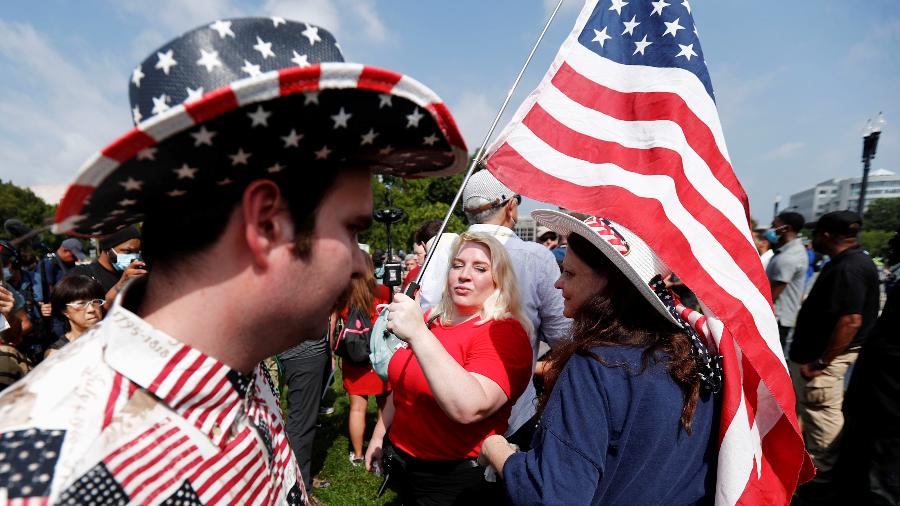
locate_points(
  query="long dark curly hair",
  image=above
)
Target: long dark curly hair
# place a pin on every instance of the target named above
(620, 316)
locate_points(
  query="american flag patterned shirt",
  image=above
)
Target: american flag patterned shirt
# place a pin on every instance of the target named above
(129, 415)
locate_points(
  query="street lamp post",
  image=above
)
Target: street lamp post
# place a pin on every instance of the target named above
(870, 144)
(777, 201)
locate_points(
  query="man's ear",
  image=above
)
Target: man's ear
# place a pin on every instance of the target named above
(266, 221)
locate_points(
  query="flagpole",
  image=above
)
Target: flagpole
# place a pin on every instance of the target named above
(411, 289)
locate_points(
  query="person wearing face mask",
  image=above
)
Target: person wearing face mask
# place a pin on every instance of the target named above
(79, 300)
(118, 262)
(787, 271)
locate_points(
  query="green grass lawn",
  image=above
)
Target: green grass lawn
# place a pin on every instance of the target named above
(349, 485)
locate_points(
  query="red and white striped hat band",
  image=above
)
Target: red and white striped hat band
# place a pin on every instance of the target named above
(626, 250)
(241, 99)
(605, 230)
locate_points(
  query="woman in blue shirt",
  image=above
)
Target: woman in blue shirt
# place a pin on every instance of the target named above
(629, 414)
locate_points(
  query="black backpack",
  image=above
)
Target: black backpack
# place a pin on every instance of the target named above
(353, 342)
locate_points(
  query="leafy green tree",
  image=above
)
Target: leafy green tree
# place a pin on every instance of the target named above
(883, 214)
(420, 199)
(24, 205)
(875, 241)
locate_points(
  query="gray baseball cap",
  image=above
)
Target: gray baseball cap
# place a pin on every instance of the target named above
(74, 245)
(484, 191)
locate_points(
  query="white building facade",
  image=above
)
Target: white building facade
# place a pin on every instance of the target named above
(839, 194)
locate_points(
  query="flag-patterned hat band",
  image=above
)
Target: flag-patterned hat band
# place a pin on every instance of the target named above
(247, 98)
(626, 250)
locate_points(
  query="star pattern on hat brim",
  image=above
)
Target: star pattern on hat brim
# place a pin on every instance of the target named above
(295, 118)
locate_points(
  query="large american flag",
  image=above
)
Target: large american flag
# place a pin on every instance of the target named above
(624, 125)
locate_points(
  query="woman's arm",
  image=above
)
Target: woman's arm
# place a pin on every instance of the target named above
(495, 450)
(373, 452)
(465, 397)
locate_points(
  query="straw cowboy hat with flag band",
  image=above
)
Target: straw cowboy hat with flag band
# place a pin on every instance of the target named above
(241, 99)
(646, 271)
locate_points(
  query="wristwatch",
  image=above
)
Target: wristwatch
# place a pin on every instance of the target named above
(820, 364)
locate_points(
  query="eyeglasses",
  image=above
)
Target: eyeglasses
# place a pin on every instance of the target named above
(84, 304)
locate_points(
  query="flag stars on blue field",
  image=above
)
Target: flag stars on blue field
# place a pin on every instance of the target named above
(658, 33)
(601, 36)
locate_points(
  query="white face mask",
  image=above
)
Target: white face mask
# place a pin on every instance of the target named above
(123, 260)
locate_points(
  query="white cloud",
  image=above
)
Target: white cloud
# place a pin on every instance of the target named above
(473, 113)
(878, 46)
(332, 15)
(59, 105)
(51, 193)
(568, 5)
(54, 112)
(785, 151)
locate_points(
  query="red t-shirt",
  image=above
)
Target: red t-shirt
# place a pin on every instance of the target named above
(498, 349)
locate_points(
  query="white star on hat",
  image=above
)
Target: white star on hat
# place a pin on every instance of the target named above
(340, 119)
(203, 136)
(323, 153)
(278, 21)
(185, 172)
(414, 118)
(240, 158)
(311, 97)
(193, 94)
(264, 48)
(147, 154)
(311, 33)
(430, 140)
(275, 168)
(176, 193)
(301, 60)
(251, 69)
(136, 75)
(160, 104)
(292, 139)
(259, 117)
(209, 59)
(385, 100)
(369, 137)
(131, 184)
(223, 27)
(165, 61)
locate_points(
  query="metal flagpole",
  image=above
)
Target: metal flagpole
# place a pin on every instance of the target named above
(411, 289)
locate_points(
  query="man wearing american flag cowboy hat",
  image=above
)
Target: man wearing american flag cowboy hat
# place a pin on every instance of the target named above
(250, 166)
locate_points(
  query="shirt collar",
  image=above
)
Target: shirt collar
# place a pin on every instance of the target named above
(499, 231)
(204, 391)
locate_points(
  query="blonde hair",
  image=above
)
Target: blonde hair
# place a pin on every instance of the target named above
(500, 305)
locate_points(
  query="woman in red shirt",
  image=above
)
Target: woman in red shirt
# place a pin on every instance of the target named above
(360, 380)
(455, 382)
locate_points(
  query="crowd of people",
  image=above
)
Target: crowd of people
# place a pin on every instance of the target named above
(560, 371)
(827, 297)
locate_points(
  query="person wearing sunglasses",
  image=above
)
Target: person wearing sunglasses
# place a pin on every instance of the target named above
(79, 301)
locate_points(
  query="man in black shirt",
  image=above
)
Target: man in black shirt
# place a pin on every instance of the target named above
(832, 325)
(117, 263)
(868, 468)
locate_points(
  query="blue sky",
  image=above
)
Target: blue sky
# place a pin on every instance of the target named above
(795, 81)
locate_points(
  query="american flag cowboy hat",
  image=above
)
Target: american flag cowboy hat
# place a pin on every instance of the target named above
(626, 250)
(241, 99)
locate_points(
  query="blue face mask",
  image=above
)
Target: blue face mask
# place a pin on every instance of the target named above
(771, 236)
(123, 260)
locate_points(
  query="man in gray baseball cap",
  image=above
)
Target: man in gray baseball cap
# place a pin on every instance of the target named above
(492, 208)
